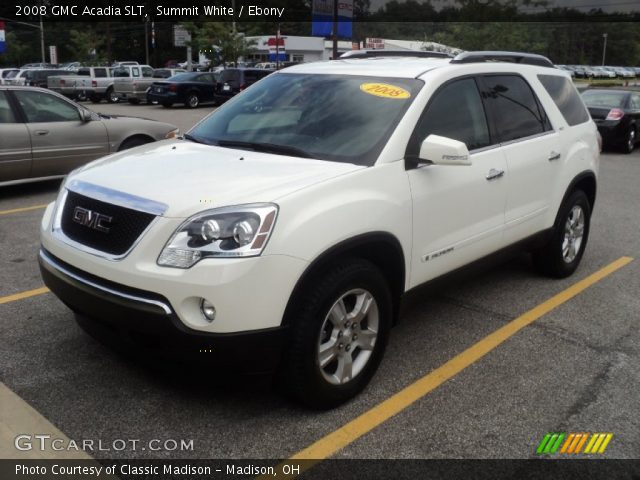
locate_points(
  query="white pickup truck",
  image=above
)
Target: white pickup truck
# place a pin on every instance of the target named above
(131, 82)
(89, 82)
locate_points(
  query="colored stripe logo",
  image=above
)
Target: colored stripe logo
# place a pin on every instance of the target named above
(573, 443)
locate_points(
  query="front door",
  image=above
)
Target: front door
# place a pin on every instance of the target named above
(458, 211)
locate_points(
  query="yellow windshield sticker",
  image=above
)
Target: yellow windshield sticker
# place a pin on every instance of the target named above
(385, 90)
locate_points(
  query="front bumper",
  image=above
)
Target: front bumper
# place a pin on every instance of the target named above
(146, 322)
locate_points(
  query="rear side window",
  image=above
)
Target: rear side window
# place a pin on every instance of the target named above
(566, 98)
(147, 72)
(100, 72)
(85, 72)
(516, 111)
(455, 112)
(635, 101)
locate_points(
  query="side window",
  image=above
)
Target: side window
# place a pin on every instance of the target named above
(566, 98)
(6, 114)
(147, 72)
(515, 109)
(456, 112)
(100, 72)
(43, 107)
(635, 101)
(135, 72)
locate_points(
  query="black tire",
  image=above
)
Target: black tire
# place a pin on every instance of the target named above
(631, 140)
(133, 142)
(551, 260)
(133, 101)
(193, 100)
(111, 96)
(301, 376)
(167, 104)
(95, 98)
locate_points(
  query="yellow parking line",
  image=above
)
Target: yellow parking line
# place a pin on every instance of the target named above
(338, 439)
(23, 209)
(22, 295)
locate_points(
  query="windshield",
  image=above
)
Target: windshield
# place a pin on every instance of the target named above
(342, 118)
(603, 99)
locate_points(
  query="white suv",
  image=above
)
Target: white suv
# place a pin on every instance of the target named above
(282, 231)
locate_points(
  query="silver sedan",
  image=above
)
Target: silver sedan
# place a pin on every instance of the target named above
(44, 135)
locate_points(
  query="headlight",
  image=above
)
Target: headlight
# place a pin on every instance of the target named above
(240, 231)
(173, 134)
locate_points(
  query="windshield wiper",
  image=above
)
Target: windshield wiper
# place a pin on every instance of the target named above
(186, 136)
(267, 148)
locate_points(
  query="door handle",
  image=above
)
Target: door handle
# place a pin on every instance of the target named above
(42, 132)
(494, 173)
(554, 156)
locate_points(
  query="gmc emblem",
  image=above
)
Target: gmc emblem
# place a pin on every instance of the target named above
(94, 220)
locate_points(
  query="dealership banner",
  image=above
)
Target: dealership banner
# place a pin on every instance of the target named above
(322, 18)
(3, 43)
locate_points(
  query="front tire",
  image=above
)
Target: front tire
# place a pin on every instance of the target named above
(562, 255)
(339, 334)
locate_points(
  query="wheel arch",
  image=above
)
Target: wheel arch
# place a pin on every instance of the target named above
(380, 248)
(136, 136)
(585, 181)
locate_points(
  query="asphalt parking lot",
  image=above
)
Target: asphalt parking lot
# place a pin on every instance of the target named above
(573, 369)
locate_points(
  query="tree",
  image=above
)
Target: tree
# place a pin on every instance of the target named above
(87, 44)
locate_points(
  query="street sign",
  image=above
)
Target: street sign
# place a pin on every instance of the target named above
(180, 36)
(3, 43)
(53, 54)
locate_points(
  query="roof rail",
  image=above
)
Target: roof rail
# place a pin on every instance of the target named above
(393, 53)
(497, 56)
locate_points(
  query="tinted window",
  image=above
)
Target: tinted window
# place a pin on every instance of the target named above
(100, 72)
(158, 73)
(455, 112)
(602, 98)
(230, 76)
(147, 72)
(516, 111)
(121, 72)
(85, 72)
(184, 77)
(43, 107)
(6, 115)
(566, 98)
(635, 101)
(206, 78)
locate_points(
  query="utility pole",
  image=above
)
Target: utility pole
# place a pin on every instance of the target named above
(335, 30)
(146, 39)
(42, 41)
(604, 47)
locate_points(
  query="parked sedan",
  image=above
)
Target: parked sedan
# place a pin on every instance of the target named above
(233, 80)
(6, 73)
(190, 89)
(45, 135)
(617, 116)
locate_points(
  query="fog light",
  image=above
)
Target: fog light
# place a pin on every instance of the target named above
(208, 310)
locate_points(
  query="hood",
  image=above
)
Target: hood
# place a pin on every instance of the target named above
(191, 177)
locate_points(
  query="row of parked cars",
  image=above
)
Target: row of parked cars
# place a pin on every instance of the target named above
(584, 71)
(136, 83)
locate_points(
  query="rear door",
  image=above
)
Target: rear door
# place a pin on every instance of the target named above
(15, 144)
(532, 148)
(207, 86)
(60, 140)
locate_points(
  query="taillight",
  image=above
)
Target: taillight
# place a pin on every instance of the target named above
(615, 114)
(62, 82)
(243, 86)
(173, 87)
(94, 83)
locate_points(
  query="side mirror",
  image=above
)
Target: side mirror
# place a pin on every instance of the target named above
(85, 115)
(439, 150)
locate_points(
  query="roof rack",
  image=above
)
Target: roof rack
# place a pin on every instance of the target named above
(497, 56)
(393, 53)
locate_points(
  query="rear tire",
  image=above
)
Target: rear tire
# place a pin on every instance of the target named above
(112, 97)
(339, 332)
(134, 101)
(95, 98)
(192, 100)
(562, 254)
(631, 140)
